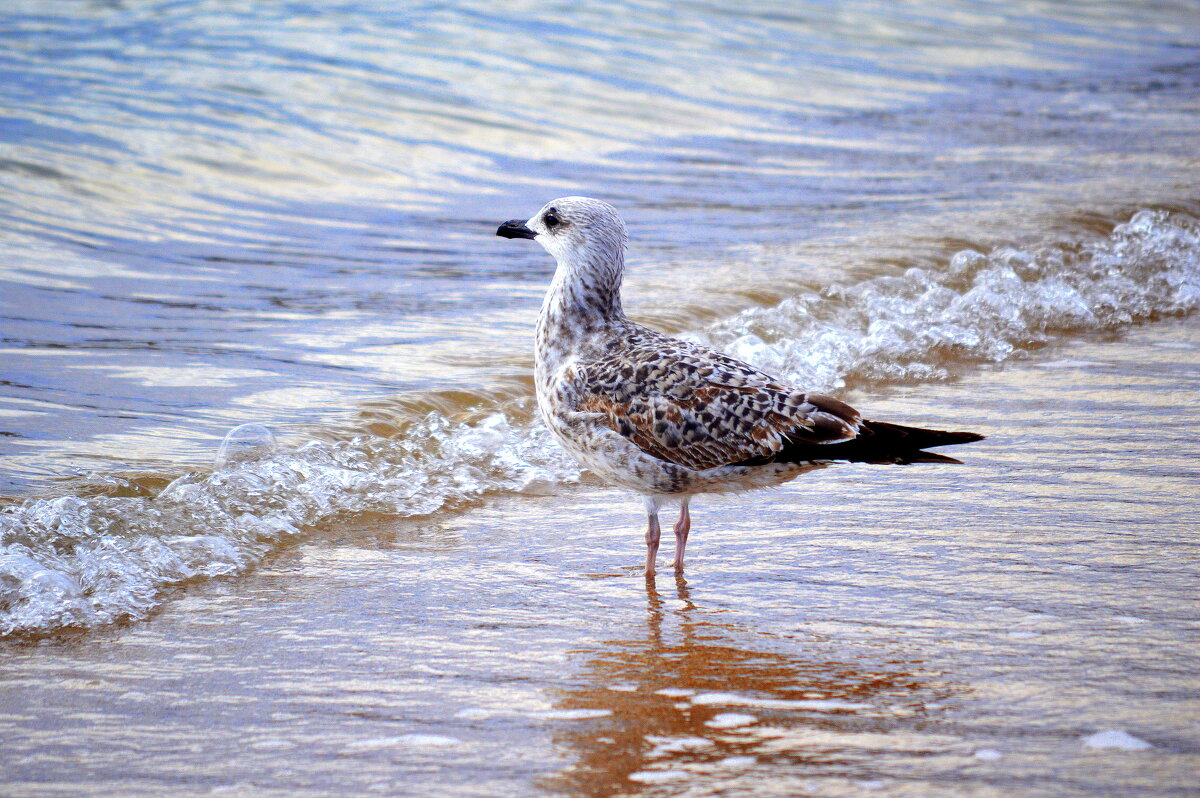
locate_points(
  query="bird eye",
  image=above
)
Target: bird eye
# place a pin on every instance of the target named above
(550, 218)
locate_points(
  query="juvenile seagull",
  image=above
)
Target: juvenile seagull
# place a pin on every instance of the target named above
(666, 418)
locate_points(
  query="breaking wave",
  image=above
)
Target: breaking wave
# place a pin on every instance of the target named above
(73, 561)
(80, 561)
(977, 307)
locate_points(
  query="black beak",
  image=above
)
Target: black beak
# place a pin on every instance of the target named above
(515, 228)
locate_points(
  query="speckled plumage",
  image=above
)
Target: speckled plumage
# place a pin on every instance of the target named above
(669, 418)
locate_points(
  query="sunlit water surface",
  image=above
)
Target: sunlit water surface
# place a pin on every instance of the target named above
(267, 212)
(975, 215)
(899, 631)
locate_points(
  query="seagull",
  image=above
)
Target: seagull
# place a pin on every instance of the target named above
(670, 419)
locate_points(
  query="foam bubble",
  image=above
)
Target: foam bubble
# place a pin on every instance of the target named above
(246, 442)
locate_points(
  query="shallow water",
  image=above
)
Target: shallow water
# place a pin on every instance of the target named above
(928, 630)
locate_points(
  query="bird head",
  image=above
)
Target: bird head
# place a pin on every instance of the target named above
(575, 230)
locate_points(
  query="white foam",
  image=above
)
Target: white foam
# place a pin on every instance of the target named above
(730, 720)
(716, 698)
(658, 776)
(816, 704)
(1115, 738)
(74, 561)
(474, 714)
(403, 741)
(981, 307)
(664, 746)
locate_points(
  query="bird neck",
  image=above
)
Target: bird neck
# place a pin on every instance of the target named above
(584, 298)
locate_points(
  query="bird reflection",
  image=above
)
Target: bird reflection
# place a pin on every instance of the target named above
(654, 608)
(666, 722)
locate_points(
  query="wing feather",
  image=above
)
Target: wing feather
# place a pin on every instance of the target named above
(697, 408)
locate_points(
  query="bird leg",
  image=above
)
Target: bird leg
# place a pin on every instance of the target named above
(682, 527)
(653, 531)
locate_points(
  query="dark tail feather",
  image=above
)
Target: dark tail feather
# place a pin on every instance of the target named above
(880, 442)
(931, 457)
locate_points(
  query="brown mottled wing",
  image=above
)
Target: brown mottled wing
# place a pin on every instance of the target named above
(695, 407)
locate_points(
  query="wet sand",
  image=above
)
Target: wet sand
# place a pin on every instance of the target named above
(929, 630)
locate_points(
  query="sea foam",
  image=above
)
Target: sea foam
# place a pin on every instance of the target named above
(977, 307)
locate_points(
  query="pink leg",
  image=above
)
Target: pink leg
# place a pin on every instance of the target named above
(653, 531)
(682, 527)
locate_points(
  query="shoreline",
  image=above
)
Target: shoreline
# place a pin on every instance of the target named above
(938, 630)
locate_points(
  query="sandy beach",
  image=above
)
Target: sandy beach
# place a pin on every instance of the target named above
(927, 630)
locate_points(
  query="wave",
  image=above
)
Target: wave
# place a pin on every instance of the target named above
(87, 560)
(79, 562)
(920, 325)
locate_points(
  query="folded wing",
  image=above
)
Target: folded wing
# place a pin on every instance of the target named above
(697, 408)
